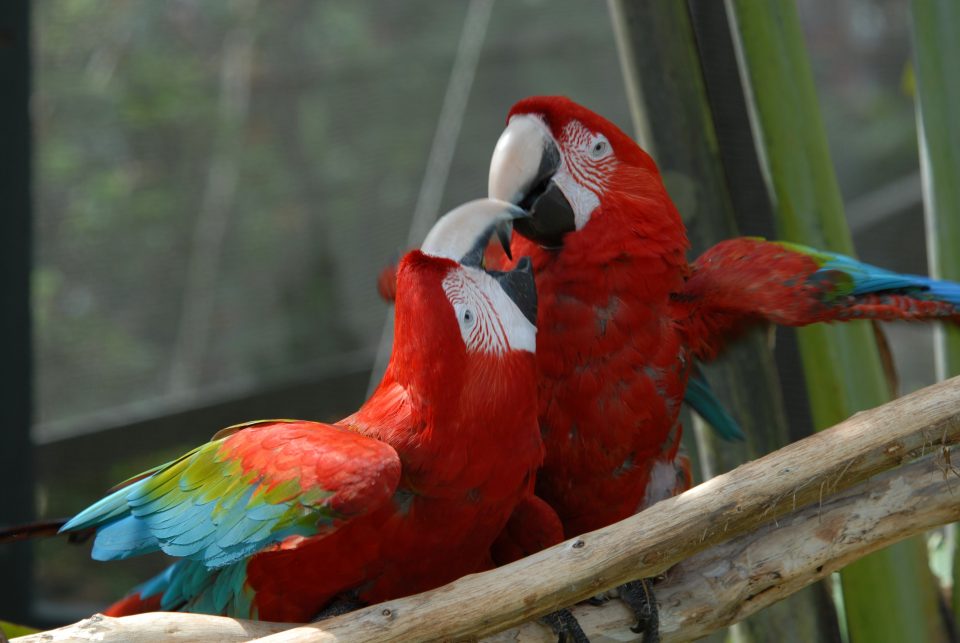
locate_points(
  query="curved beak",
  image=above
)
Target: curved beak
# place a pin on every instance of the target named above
(464, 233)
(519, 286)
(522, 169)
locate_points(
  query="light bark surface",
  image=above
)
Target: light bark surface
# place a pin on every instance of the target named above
(729, 582)
(158, 627)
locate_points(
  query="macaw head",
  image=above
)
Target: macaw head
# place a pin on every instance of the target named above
(568, 167)
(450, 310)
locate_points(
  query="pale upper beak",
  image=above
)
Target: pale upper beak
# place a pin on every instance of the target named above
(522, 168)
(463, 233)
(525, 155)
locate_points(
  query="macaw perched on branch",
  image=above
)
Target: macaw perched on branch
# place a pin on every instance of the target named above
(624, 316)
(286, 520)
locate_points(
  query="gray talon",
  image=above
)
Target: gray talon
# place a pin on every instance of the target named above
(565, 626)
(638, 595)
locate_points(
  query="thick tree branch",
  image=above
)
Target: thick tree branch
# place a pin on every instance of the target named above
(729, 582)
(755, 498)
(158, 627)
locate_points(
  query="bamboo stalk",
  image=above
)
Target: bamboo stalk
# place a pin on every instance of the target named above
(673, 121)
(890, 596)
(808, 204)
(936, 50)
(752, 496)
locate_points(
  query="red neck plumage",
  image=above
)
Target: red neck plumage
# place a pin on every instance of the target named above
(633, 240)
(426, 405)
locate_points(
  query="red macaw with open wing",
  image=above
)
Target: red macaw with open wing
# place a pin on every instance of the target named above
(282, 519)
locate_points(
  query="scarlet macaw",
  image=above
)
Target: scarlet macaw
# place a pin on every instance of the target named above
(284, 519)
(624, 316)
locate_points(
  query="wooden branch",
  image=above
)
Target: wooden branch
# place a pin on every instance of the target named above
(158, 627)
(729, 582)
(759, 492)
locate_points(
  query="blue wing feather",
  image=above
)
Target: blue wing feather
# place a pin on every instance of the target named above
(214, 509)
(866, 279)
(122, 539)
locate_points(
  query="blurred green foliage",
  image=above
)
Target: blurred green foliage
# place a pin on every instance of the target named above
(11, 630)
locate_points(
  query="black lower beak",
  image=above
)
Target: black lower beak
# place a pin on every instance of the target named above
(551, 216)
(519, 286)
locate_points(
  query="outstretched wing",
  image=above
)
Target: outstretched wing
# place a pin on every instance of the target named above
(744, 281)
(243, 492)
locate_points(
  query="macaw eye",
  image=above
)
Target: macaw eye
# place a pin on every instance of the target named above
(467, 317)
(599, 148)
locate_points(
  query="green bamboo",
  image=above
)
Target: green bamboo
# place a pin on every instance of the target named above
(936, 24)
(890, 595)
(672, 115)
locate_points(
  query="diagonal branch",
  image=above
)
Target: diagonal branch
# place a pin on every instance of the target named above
(727, 583)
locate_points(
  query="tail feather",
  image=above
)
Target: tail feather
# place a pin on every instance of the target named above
(741, 282)
(41, 529)
(701, 398)
(943, 290)
(152, 595)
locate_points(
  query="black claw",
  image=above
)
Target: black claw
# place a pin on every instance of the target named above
(638, 595)
(565, 626)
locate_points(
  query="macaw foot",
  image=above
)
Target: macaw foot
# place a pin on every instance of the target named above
(638, 595)
(565, 626)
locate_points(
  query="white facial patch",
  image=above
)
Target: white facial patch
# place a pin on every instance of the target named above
(489, 320)
(581, 197)
(587, 160)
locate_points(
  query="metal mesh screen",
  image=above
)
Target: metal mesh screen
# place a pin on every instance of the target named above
(219, 183)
